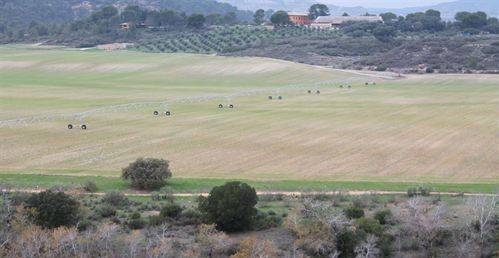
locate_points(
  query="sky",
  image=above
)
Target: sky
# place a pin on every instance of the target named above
(386, 3)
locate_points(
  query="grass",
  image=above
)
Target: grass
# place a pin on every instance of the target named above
(425, 129)
(204, 185)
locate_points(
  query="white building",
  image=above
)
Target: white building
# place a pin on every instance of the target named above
(334, 22)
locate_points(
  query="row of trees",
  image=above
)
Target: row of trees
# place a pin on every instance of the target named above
(429, 21)
(423, 22)
(107, 20)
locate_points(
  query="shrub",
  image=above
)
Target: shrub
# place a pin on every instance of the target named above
(170, 210)
(346, 242)
(231, 206)
(115, 198)
(370, 226)
(381, 68)
(383, 216)
(191, 217)
(54, 209)
(155, 220)
(266, 220)
(106, 211)
(165, 193)
(90, 187)
(147, 173)
(136, 221)
(419, 191)
(354, 212)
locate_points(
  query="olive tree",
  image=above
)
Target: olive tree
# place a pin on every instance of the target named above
(147, 173)
(231, 206)
(54, 209)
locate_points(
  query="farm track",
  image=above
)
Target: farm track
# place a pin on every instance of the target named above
(284, 193)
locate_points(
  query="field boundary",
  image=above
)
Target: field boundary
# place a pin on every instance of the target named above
(272, 193)
(203, 185)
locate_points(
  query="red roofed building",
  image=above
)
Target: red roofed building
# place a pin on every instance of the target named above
(299, 18)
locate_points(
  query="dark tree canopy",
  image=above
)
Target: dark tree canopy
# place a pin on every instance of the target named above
(384, 33)
(147, 173)
(467, 20)
(231, 206)
(54, 209)
(388, 17)
(259, 17)
(196, 21)
(280, 18)
(317, 10)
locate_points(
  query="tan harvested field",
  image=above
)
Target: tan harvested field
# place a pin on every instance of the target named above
(422, 128)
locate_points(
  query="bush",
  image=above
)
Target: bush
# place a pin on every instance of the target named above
(370, 226)
(354, 211)
(147, 173)
(170, 210)
(155, 220)
(106, 211)
(266, 220)
(420, 191)
(115, 198)
(381, 68)
(383, 216)
(191, 217)
(54, 209)
(231, 206)
(165, 193)
(90, 187)
(136, 221)
(346, 242)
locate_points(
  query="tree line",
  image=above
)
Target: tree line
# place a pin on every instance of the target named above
(107, 20)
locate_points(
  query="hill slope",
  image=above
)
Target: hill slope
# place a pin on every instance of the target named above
(22, 12)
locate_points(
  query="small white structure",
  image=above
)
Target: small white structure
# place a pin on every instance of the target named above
(335, 22)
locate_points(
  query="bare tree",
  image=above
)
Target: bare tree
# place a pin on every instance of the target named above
(367, 248)
(483, 209)
(425, 223)
(6, 212)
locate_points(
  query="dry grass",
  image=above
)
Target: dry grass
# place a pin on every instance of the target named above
(427, 128)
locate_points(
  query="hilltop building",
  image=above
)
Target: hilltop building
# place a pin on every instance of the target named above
(299, 18)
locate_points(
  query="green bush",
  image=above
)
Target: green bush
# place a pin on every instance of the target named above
(419, 191)
(354, 211)
(106, 211)
(266, 220)
(381, 68)
(370, 226)
(384, 216)
(90, 187)
(147, 173)
(115, 198)
(191, 217)
(155, 220)
(135, 221)
(346, 242)
(54, 209)
(170, 210)
(165, 193)
(231, 206)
